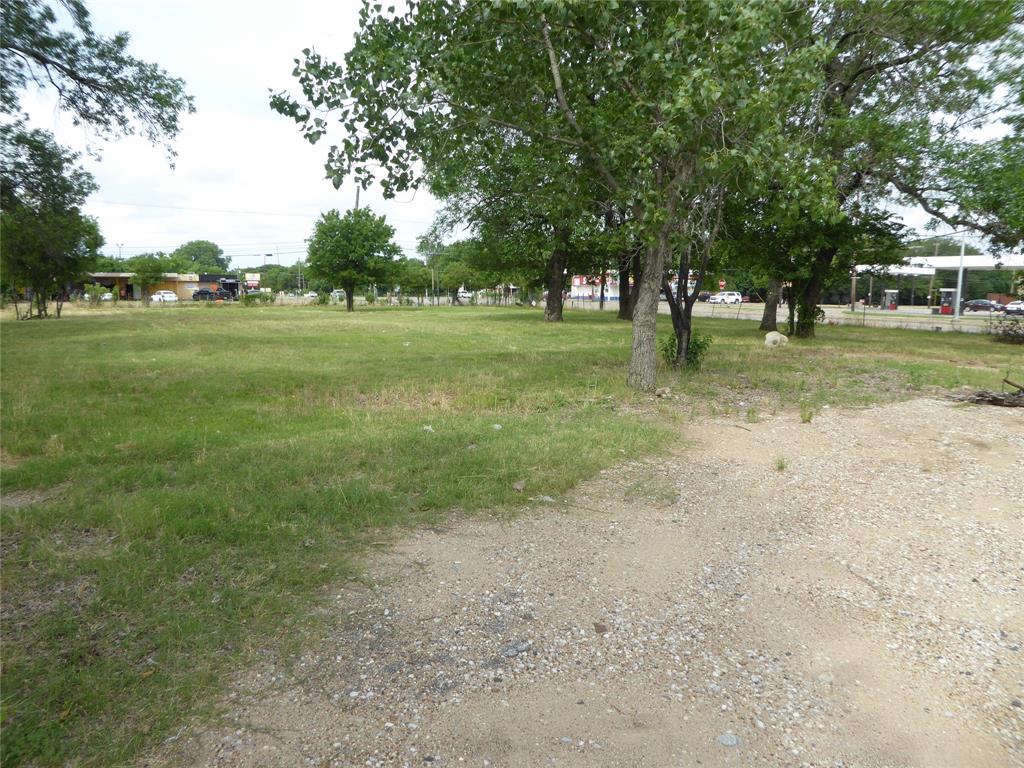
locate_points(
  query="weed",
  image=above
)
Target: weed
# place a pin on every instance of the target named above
(780, 464)
(807, 412)
(752, 415)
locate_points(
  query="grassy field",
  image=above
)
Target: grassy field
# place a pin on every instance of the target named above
(180, 482)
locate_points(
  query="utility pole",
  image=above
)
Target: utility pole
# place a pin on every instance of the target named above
(853, 289)
(960, 275)
(119, 247)
(357, 196)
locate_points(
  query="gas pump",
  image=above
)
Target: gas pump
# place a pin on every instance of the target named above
(890, 299)
(947, 301)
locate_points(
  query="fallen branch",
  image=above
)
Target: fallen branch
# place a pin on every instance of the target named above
(985, 397)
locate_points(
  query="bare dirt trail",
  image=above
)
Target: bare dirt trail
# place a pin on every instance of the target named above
(848, 592)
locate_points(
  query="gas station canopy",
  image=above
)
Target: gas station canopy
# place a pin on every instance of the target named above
(926, 265)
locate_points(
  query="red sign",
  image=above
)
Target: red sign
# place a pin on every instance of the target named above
(721, 285)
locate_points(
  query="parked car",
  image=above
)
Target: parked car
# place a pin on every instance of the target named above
(108, 296)
(309, 295)
(164, 297)
(1015, 308)
(337, 294)
(704, 296)
(726, 297)
(204, 294)
(983, 305)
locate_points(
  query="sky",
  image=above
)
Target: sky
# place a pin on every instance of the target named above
(243, 176)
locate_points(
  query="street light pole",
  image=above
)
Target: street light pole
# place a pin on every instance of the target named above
(960, 276)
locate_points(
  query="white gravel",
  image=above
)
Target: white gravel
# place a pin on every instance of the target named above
(861, 607)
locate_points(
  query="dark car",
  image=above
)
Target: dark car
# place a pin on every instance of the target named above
(206, 294)
(703, 295)
(983, 305)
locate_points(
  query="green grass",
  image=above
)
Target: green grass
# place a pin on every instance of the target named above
(200, 474)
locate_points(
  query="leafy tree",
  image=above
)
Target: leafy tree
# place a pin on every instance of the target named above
(661, 102)
(411, 276)
(46, 241)
(901, 89)
(351, 250)
(95, 77)
(106, 263)
(147, 271)
(279, 278)
(199, 256)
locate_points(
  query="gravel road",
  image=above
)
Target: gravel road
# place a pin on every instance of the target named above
(848, 592)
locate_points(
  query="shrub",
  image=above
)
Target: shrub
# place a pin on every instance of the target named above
(697, 350)
(93, 291)
(251, 299)
(1009, 330)
(370, 298)
(323, 299)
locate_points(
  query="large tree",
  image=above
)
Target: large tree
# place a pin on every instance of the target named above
(352, 250)
(46, 242)
(662, 102)
(901, 90)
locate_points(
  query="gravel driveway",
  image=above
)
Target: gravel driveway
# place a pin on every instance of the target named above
(846, 592)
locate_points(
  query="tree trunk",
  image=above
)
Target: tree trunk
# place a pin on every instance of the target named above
(682, 320)
(625, 304)
(350, 298)
(604, 274)
(644, 361)
(555, 278)
(809, 296)
(769, 320)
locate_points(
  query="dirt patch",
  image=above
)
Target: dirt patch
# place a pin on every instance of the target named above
(859, 607)
(23, 498)
(9, 460)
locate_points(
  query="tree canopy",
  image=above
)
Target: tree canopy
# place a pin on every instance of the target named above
(198, 256)
(352, 250)
(534, 117)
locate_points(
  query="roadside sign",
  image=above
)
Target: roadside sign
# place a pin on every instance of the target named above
(721, 285)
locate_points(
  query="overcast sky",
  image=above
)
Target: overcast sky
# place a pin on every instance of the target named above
(243, 177)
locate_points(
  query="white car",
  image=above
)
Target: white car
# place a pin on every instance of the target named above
(1015, 308)
(310, 295)
(164, 296)
(108, 296)
(726, 297)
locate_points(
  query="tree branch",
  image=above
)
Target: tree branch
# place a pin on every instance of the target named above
(567, 112)
(66, 70)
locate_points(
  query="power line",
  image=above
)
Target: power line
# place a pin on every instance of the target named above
(239, 212)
